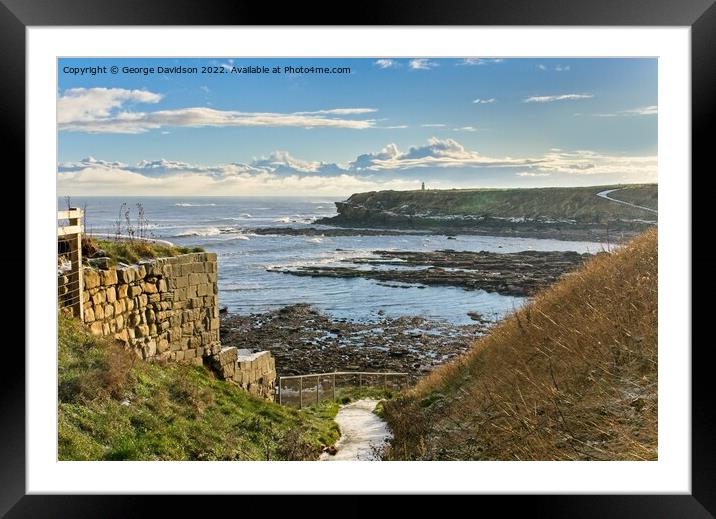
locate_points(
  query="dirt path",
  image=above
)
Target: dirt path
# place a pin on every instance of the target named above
(363, 434)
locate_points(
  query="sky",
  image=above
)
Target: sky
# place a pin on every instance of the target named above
(317, 126)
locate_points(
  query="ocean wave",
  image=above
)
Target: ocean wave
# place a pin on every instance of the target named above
(183, 204)
(208, 231)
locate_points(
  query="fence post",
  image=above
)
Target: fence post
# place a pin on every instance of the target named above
(385, 382)
(300, 394)
(280, 396)
(334, 386)
(73, 232)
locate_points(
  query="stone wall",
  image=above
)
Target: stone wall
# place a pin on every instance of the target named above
(165, 308)
(255, 372)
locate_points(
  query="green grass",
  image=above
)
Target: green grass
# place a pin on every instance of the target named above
(580, 203)
(133, 251)
(113, 406)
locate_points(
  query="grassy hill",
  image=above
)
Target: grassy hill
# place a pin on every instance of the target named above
(579, 203)
(571, 376)
(112, 406)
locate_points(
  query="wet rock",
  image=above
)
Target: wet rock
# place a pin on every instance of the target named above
(517, 274)
(326, 345)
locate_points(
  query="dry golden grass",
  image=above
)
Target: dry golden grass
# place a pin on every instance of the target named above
(571, 376)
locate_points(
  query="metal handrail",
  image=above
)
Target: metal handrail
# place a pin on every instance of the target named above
(333, 375)
(392, 373)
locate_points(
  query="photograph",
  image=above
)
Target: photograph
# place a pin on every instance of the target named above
(381, 258)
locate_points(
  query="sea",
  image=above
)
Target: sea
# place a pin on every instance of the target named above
(227, 225)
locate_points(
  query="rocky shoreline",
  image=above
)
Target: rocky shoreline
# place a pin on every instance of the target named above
(336, 226)
(303, 340)
(516, 274)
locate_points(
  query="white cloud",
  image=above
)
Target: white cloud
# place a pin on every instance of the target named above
(102, 110)
(106, 181)
(339, 111)
(465, 129)
(421, 64)
(562, 68)
(479, 101)
(541, 67)
(433, 125)
(586, 162)
(531, 174)
(644, 110)
(396, 127)
(480, 61)
(79, 105)
(561, 97)
(390, 168)
(204, 89)
(385, 63)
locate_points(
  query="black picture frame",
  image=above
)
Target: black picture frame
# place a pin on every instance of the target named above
(700, 15)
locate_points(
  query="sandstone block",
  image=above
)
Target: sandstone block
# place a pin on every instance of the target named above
(125, 275)
(120, 322)
(122, 291)
(96, 328)
(89, 315)
(141, 272)
(204, 290)
(142, 330)
(162, 345)
(99, 297)
(105, 328)
(99, 312)
(155, 298)
(167, 270)
(90, 278)
(111, 294)
(135, 290)
(150, 348)
(108, 277)
(149, 288)
(162, 285)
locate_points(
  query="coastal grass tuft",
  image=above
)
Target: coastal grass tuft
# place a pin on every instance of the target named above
(570, 376)
(113, 406)
(132, 251)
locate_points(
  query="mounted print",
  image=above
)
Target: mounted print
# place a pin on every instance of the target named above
(376, 258)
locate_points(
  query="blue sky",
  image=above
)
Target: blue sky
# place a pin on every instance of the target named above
(389, 123)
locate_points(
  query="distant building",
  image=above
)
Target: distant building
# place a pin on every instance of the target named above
(422, 187)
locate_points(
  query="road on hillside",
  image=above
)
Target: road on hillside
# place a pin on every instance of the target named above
(605, 195)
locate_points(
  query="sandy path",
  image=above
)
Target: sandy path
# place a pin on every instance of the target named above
(362, 432)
